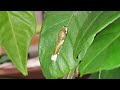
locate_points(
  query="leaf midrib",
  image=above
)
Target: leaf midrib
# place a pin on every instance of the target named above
(14, 35)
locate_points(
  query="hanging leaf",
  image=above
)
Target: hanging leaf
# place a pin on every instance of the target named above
(53, 23)
(16, 31)
(96, 21)
(104, 52)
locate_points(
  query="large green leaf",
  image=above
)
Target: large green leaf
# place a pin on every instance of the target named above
(52, 24)
(16, 31)
(95, 22)
(107, 74)
(104, 52)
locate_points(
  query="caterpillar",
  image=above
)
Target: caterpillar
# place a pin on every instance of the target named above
(61, 37)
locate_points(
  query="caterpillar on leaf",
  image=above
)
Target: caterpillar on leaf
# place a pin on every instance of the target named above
(61, 37)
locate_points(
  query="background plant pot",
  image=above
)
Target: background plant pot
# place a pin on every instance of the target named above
(8, 70)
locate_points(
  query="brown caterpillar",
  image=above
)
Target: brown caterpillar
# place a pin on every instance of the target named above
(61, 37)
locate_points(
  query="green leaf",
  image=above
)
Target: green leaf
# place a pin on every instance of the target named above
(104, 52)
(107, 74)
(16, 31)
(53, 22)
(96, 21)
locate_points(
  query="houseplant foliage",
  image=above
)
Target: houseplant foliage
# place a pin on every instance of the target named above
(48, 39)
(91, 45)
(16, 31)
(104, 51)
(78, 47)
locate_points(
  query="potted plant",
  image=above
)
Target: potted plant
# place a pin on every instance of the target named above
(71, 44)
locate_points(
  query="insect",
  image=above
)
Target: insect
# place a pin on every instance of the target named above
(61, 37)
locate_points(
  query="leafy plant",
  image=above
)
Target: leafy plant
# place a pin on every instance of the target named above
(78, 41)
(91, 45)
(65, 62)
(104, 51)
(16, 31)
